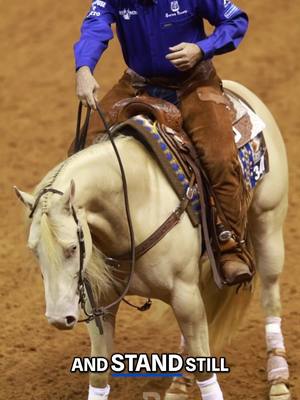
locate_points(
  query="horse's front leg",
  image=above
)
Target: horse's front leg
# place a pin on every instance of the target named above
(101, 346)
(189, 310)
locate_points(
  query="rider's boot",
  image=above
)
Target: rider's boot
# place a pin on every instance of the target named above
(235, 269)
(236, 260)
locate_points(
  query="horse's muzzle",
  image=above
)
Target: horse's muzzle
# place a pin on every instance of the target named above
(63, 323)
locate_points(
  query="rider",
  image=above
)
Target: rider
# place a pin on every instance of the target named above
(169, 56)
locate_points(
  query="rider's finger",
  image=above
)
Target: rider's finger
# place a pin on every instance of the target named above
(179, 61)
(95, 92)
(178, 47)
(181, 65)
(91, 101)
(175, 55)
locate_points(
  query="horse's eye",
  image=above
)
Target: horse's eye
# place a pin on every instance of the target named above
(70, 251)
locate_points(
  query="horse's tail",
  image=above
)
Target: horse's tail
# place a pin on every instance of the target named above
(225, 308)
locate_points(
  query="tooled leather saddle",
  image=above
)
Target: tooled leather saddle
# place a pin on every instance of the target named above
(173, 148)
(167, 114)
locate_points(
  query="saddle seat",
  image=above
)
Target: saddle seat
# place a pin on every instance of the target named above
(159, 110)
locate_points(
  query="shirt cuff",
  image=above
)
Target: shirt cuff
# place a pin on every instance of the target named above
(86, 62)
(207, 49)
(88, 53)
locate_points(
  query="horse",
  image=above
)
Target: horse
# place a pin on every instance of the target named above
(89, 184)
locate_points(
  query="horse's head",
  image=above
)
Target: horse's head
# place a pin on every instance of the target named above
(53, 237)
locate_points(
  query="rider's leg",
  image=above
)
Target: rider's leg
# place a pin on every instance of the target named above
(208, 121)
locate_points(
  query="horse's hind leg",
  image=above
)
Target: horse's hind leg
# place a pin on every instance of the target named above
(267, 236)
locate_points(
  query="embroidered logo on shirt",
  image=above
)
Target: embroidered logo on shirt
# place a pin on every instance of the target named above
(96, 3)
(175, 8)
(230, 9)
(127, 14)
(94, 14)
(99, 3)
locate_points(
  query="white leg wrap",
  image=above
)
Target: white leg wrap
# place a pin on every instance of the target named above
(274, 336)
(98, 393)
(278, 368)
(277, 365)
(210, 389)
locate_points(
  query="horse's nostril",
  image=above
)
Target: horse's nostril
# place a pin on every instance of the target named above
(70, 320)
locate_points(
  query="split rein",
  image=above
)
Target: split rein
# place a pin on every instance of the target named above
(83, 284)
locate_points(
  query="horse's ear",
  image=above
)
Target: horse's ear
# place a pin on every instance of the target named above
(69, 197)
(26, 198)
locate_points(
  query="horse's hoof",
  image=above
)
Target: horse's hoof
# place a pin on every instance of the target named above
(177, 396)
(180, 389)
(279, 391)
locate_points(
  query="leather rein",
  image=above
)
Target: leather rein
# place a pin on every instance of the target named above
(84, 288)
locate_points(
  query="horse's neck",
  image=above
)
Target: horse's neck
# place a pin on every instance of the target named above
(94, 171)
(99, 191)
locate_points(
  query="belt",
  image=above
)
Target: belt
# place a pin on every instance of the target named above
(202, 72)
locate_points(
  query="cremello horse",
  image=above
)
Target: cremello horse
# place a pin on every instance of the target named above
(169, 271)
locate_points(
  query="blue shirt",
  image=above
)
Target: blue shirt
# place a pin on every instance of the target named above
(147, 30)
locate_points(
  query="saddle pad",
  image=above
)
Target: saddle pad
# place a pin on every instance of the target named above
(246, 124)
(253, 158)
(168, 162)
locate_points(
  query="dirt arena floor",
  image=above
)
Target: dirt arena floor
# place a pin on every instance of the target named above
(38, 108)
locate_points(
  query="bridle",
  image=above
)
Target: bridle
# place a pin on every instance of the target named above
(82, 282)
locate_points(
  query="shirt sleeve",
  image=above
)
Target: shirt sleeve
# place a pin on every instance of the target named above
(95, 34)
(230, 23)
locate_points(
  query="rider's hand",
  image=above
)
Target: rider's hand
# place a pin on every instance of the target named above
(184, 56)
(86, 87)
